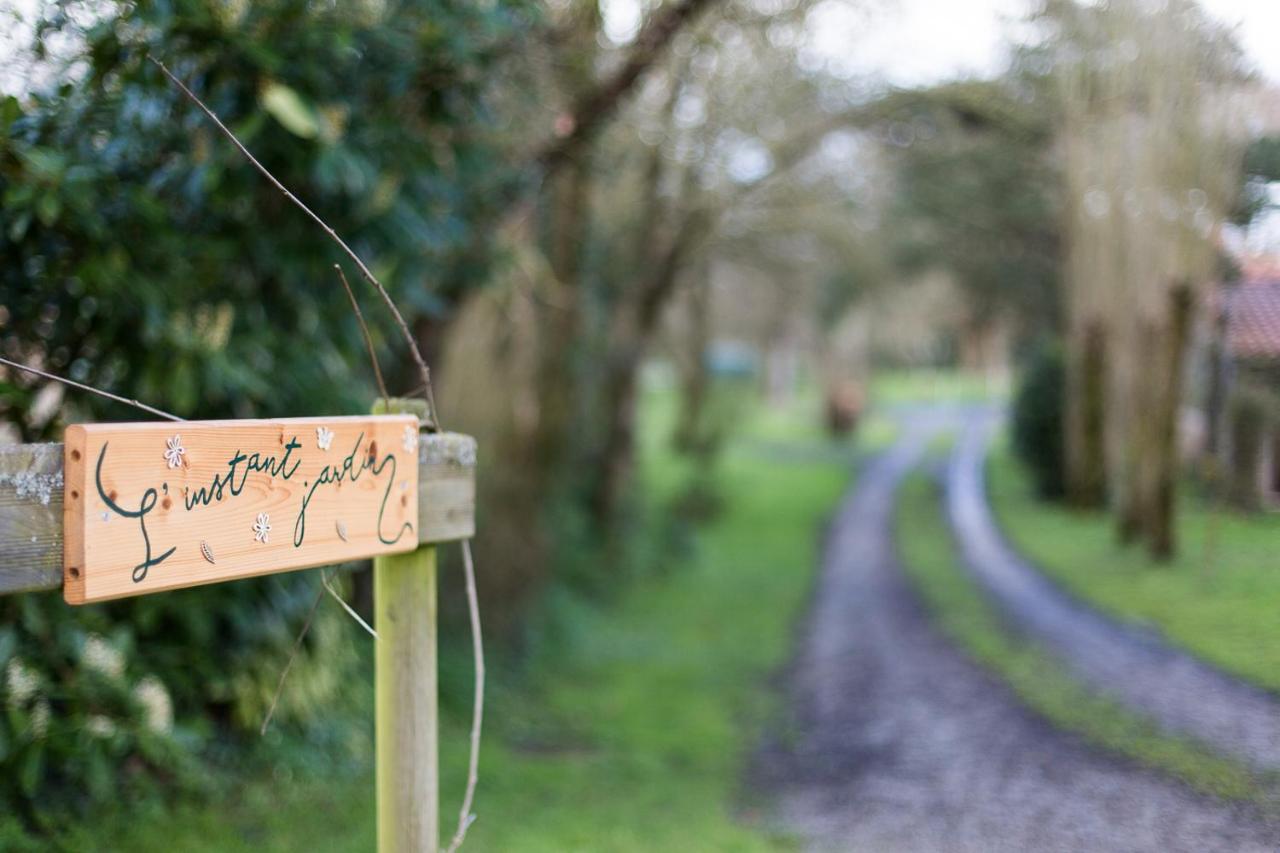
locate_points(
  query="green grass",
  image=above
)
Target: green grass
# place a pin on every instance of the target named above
(919, 385)
(632, 736)
(1040, 680)
(1223, 608)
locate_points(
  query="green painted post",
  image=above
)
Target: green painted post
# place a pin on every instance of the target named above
(404, 591)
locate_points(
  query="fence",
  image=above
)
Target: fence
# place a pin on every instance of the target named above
(31, 560)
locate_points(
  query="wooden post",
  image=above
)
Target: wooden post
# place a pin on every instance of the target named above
(404, 593)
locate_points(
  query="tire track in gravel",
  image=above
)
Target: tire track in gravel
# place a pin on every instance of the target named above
(1131, 664)
(899, 743)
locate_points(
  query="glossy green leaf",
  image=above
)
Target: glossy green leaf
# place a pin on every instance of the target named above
(287, 107)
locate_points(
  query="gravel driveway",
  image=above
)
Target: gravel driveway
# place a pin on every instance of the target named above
(899, 743)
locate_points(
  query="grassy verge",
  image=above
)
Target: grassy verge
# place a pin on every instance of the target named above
(920, 385)
(630, 736)
(1219, 603)
(1040, 681)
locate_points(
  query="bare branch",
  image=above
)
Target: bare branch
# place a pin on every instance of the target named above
(593, 108)
(364, 330)
(465, 817)
(71, 382)
(326, 580)
(360, 265)
(284, 674)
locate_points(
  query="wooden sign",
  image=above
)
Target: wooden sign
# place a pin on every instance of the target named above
(159, 506)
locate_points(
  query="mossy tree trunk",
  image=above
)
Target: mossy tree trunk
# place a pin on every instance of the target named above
(1248, 422)
(1085, 410)
(1163, 451)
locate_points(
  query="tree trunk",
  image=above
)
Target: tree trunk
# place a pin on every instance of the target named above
(1134, 487)
(636, 321)
(1247, 427)
(1086, 419)
(617, 456)
(1219, 367)
(1164, 457)
(559, 317)
(695, 378)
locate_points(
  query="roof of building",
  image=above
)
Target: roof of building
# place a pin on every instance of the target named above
(1253, 319)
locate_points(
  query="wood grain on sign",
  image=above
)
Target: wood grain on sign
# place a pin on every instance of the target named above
(159, 506)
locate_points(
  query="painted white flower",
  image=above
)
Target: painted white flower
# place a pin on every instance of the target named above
(410, 439)
(324, 437)
(174, 451)
(262, 527)
(157, 707)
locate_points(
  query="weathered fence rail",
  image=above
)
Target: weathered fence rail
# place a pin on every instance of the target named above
(31, 505)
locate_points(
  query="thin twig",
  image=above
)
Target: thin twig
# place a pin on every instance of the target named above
(74, 384)
(465, 817)
(324, 579)
(360, 265)
(364, 330)
(297, 646)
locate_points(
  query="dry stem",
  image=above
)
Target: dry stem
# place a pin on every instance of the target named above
(364, 330)
(74, 384)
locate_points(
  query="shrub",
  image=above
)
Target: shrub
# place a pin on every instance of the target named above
(1037, 422)
(116, 702)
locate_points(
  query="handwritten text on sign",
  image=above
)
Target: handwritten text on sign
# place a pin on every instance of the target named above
(157, 506)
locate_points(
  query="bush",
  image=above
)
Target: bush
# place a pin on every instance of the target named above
(1037, 422)
(140, 252)
(118, 702)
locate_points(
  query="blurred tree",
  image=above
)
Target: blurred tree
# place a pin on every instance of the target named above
(704, 158)
(1151, 158)
(976, 194)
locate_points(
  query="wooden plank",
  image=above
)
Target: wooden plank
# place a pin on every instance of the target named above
(150, 507)
(31, 505)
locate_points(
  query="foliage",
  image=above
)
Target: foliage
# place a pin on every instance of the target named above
(135, 255)
(1036, 430)
(1041, 681)
(78, 716)
(141, 252)
(1261, 168)
(133, 696)
(1216, 599)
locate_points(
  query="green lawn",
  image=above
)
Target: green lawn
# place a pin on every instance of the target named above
(632, 737)
(1225, 608)
(1039, 680)
(921, 385)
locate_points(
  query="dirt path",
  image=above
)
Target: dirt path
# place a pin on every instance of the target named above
(1136, 666)
(900, 744)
